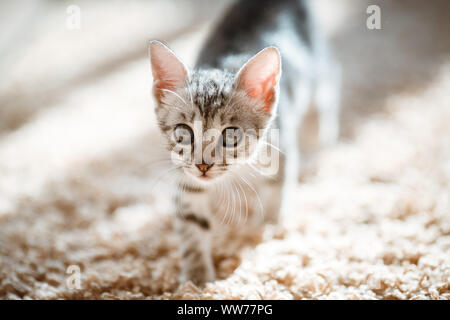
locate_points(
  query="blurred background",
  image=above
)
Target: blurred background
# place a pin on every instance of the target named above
(78, 139)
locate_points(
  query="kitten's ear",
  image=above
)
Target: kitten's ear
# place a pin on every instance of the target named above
(169, 73)
(260, 75)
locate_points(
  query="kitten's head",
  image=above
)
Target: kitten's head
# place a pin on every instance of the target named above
(214, 120)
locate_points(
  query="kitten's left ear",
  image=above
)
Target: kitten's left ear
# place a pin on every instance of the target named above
(169, 73)
(260, 75)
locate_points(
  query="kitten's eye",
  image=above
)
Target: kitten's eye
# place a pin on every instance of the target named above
(183, 134)
(231, 136)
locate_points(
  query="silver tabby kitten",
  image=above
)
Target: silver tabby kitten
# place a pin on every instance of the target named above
(221, 119)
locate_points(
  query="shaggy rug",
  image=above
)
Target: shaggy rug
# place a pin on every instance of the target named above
(81, 187)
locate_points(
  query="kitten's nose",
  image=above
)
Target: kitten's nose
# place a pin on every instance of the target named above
(204, 167)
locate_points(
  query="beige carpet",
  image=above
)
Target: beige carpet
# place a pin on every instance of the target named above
(80, 183)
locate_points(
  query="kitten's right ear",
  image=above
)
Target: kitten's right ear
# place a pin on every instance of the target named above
(169, 73)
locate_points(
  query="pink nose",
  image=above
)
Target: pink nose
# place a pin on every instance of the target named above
(204, 167)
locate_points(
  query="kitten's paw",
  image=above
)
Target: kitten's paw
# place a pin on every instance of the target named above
(199, 275)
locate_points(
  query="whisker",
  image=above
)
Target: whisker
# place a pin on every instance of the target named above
(233, 212)
(228, 203)
(190, 93)
(246, 202)
(261, 211)
(261, 173)
(233, 203)
(162, 175)
(240, 201)
(176, 94)
(271, 145)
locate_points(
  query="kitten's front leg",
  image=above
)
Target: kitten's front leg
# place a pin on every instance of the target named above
(193, 226)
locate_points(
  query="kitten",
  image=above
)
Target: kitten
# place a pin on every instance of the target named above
(218, 119)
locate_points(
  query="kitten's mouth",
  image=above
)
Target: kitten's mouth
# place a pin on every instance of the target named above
(204, 177)
(207, 177)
